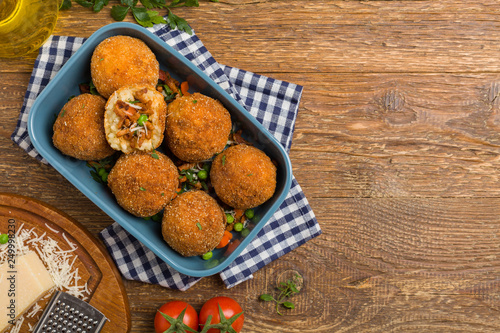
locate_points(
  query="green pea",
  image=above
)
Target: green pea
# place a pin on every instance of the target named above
(101, 171)
(245, 232)
(229, 218)
(4, 238)
(238, 226)
(249, 213)
(207, 255)
(142, 119)
(202, 174)
(104, 176)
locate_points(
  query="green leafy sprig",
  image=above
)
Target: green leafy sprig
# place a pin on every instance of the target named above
(99, 170)
(288, 289)
(145, 14)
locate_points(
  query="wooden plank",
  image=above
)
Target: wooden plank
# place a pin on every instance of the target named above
(395, 146)
(375, 135)
(381, 265)
(333, 36)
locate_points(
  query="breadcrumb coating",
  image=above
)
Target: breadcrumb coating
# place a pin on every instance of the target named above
(197, 127)
(243, 176)
(122, 60)
(79, 129)
(193, 223)
(143, 183)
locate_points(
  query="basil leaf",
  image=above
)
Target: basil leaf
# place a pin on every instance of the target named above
(119, 12)
(65, 4)
(129, 3)
(84, 3)
(99, 4)
(147, 4)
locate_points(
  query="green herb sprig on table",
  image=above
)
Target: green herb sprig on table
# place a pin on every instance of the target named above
(288, 289)
(145, 14)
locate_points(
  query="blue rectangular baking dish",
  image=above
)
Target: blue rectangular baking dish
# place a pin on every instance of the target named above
(65, 84)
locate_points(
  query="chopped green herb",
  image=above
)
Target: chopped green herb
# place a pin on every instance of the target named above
(162, 194)
(250, 174)
(101, 169)
(65, 4)
(101, 59)
(199, 226)
(223, 160)
(62, 113)
(156, 217)
(194, 101)
(142, 188)
(155, 155)
(204, 185)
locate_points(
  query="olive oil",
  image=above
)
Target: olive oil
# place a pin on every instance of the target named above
(25, 25)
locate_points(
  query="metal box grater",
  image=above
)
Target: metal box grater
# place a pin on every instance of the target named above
(66, 313)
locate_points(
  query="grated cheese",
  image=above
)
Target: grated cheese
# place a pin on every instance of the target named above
(51, 229)
(73, 246)
(17, 327)
(34, 310)
(59, 263)
(134, 106)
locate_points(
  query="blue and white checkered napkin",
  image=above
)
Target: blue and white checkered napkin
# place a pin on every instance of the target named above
(272, 102)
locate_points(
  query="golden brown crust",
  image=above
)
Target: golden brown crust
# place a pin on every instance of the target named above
(193, 223)
(243, 176)
(143, 183)
(197, 127)
(79, 129)
(122, 60)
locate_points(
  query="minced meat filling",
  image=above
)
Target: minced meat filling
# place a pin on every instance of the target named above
(134, 125)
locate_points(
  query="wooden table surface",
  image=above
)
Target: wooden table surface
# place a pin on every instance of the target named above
(396, 146)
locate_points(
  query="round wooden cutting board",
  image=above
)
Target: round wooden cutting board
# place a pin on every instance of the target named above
(106, 290)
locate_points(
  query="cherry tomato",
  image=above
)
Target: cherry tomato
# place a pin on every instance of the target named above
(173, 309)
(229, 308)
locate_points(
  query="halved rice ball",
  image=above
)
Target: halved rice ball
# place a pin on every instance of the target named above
(135, 118)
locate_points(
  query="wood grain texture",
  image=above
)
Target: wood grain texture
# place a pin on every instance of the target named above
(396, 146)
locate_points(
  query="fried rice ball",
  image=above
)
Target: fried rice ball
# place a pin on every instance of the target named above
(143, 183)
(197, 127)
(135, 118)
(122, 60)
(79, 129)
(193, 223)
(243, 176)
